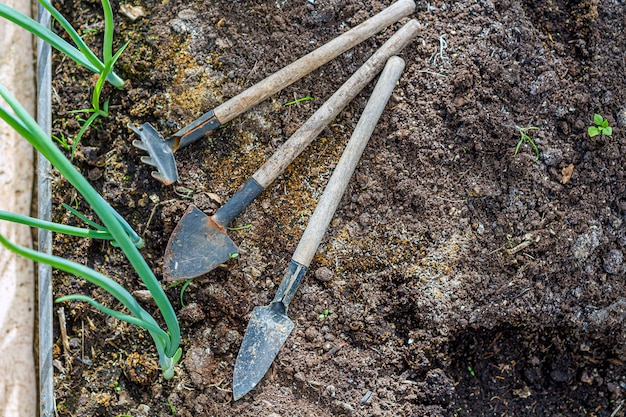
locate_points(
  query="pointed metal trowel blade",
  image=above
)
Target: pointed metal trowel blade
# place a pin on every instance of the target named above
(197, 245)
(268, 329)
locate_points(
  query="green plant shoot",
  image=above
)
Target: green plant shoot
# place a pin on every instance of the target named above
(600, 127)
(525, 137)
(114, 228)
(81, 54)
(299, 100)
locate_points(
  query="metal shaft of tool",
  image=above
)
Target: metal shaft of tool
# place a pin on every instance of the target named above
(294, 146)
(338, 182)
(293, 72)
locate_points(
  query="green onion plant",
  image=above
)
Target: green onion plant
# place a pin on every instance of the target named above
(114, 228)
(81, 54)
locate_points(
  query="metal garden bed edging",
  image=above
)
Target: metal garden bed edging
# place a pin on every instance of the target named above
(44, 205)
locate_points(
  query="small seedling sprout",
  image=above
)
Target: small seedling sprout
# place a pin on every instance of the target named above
(299, 100)
(62, 140)
(171, 407)
(525, 137)
(600, 127)
(182, 291)
(237, 228)
(183, 192)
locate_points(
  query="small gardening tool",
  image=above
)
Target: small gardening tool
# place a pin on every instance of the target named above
(161, 151)
(269, 326)
(199, 243)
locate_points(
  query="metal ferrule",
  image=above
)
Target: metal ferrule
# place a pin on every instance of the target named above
(289, 286)
(197, 129)
(238, 203)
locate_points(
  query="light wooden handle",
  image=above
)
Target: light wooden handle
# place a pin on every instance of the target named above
(298, 69)
(349, 159)
(290, 150)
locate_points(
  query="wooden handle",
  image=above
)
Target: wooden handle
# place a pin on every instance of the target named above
(298, 69)
(345, 167)
(290, 150)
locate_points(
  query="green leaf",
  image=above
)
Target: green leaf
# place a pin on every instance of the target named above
(597, 119)
(50, 37)
(182, 291)
(593, 131)
(55, 227)
(607, 131)
(149, 326)
(83, 217)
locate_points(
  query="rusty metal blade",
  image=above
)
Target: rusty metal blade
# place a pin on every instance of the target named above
(197, 246)
(268, 329)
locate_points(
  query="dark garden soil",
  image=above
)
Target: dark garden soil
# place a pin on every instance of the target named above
(459, 279)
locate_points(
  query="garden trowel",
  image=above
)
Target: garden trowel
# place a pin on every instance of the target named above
(269, 326)
(199, 243)
(161, 151)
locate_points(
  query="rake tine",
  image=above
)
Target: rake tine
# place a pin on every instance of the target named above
(148, 160)
(158, 176)
(140, 145)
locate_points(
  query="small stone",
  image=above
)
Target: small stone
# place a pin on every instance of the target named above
(192, 313)
(200, 364)
(142, 410)
(94, 174)
(621, 117)
(143, 296)
(74, 343)
(560, 112)
(324, 274)
(179, 26)
(311, 333)
(187, 14)
(346, 407)
(545, 82)
(123, 398)
(552, 157)
(132, 12)
(559, 375)
(579, 125)
(365, 219)
(612, 261)
(523, 392)
(366, 398)
(587, 243)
